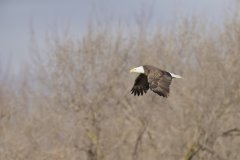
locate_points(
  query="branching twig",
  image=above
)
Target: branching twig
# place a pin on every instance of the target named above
(139, 139)
(232, 132)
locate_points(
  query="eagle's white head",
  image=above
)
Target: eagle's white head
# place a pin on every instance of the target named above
(138, 69)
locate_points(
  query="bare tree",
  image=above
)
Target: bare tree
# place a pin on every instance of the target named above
(75, 102)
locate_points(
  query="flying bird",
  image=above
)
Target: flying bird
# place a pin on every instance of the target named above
(154, 78)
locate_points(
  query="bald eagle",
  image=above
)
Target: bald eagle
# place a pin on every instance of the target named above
(154, 78)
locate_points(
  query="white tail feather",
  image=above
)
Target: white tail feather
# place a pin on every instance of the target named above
(175, 76)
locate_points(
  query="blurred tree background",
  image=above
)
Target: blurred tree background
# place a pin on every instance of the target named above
(75, 102)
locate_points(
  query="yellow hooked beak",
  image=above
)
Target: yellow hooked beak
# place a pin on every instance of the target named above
(132, 70)
(138, 69)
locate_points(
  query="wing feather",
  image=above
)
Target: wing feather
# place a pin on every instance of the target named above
(160, 83)
(141, 85)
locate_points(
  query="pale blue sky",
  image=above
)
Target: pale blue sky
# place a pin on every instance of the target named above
(17, 15)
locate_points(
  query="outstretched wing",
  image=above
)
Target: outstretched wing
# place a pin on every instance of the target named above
(140, 85)
(160, 83)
